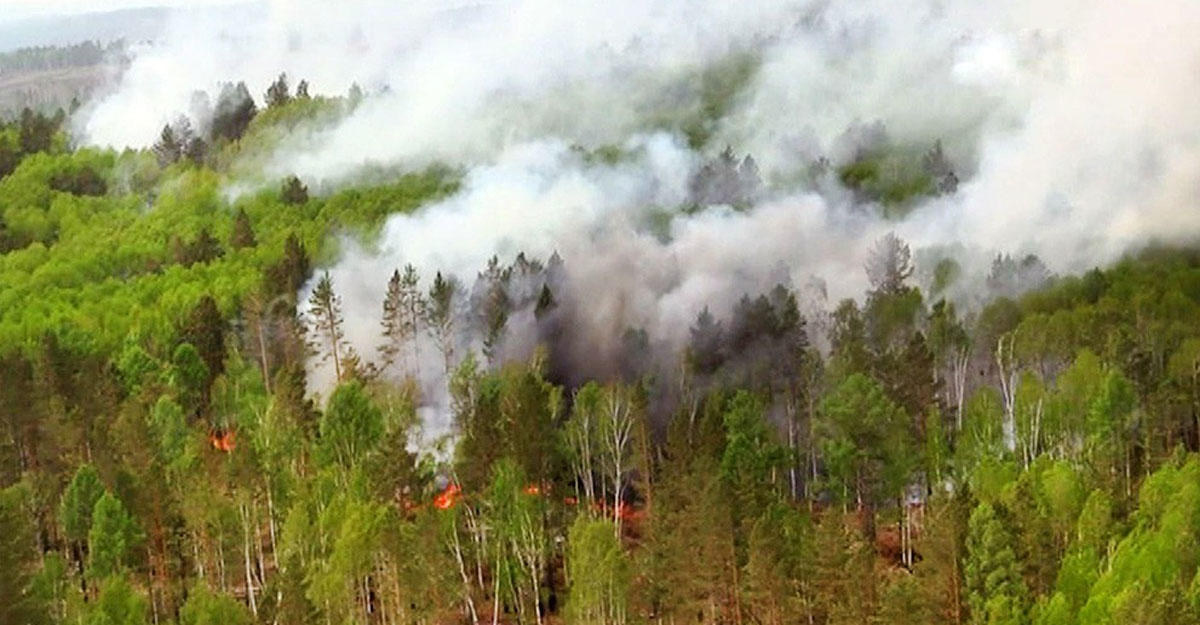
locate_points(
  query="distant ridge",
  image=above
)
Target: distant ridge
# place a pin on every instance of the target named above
(56, 30)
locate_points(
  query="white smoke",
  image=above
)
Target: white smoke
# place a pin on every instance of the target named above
(1072, 125)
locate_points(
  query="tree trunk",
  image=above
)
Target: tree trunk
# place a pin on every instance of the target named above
(249, 568)
(462, 570)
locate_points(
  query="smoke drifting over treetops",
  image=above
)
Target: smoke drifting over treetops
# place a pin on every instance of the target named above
(1071, 128)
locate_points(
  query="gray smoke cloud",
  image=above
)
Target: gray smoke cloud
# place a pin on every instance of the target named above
(1071, 126)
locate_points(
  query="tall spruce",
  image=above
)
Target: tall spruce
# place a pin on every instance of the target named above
(325, 323)
(403, 310)
(440, 316)
(243, 232)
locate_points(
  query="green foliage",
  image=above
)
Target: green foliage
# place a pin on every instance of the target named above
(867, 439)
(78, 502)
(752, 458)
(189, 375)
(779, 565)
(996, 591)
(351, 531)
(351, 427)
(514, 413)
(112, 538)
(18, 561)
(177, 442)
(515, 522)
(599, 572)
(144, 307)
(205, 607)
(135, 365)
(118, 604)
(894, 177)
(1158, 558)
(717, 87)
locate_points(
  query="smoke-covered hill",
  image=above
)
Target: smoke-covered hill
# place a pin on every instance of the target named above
(601, 313)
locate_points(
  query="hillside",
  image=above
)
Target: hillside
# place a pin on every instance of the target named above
(603, 314)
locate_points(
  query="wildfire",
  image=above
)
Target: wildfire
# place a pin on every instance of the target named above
(448, 497)
(221, 441)
(624, 510)
(452, 493)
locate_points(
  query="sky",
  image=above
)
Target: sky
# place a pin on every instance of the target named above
(11, 10)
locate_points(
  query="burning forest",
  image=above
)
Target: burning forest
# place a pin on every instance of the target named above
(600, 313)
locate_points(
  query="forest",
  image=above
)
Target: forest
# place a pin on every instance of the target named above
(45, 78)
(1028, 457)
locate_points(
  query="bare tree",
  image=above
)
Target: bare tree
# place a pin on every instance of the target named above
(889, 264)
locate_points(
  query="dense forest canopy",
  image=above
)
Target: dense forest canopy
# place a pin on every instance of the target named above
(166, 459)
(659, 380)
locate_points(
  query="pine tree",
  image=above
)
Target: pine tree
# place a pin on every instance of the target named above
(205, 607)
(293, 191)
(189, 378)
(412, 304)
(403, 310)
(394, 332)
(941, 545)
(706, 348)
(440, 317)
(325, 321)
(751, 460)
(204, 249)
(848, 338)
(18, 560)
(36, 131)
(277, 94)
(205, 330)
(243, 232)
(996, 593)
(75, 509)
(289, 274)
(195, 150)
(545, 302)
(868, 444)
(779, 569)
(168, 148)
(234, 110)
(118, 604)
(844, 576)
(111, 539)
(80, 497)
(494, 307)
(889, 264)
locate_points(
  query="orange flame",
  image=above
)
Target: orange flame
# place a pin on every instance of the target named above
(624, 510)
(448, 497)
(221, 441)
(533, 489)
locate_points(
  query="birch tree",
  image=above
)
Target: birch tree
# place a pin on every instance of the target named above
(615, 427)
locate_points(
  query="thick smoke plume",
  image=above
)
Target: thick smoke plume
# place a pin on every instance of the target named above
(1070, 129)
